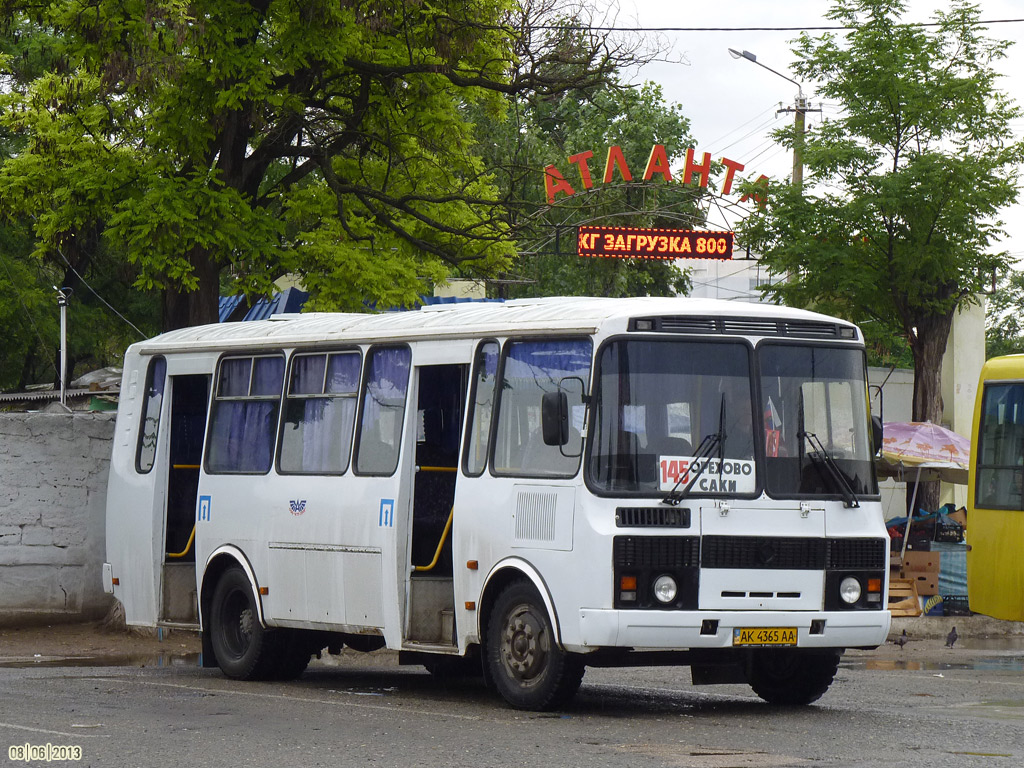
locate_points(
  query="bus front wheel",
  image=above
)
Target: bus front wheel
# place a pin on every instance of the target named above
(524, 662)
(243, 647)
(791, 678)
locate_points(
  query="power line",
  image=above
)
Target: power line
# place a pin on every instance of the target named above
(93, 292)
(827, 28)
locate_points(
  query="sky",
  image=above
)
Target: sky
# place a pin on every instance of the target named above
(732, 103)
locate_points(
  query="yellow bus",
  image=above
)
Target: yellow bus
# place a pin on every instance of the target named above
(995, 509)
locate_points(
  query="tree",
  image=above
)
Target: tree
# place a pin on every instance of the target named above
(897, 224)
(270, 136)
(29, 315)
(1004, 331)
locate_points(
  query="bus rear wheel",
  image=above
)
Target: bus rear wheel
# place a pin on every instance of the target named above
(245, 650)
(523, 660)
(792, 678)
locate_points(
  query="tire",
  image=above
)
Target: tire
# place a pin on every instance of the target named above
(523, 660)
(244, 649)
(792, 678)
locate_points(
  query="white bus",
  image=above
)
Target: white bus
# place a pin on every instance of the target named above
(523, 488)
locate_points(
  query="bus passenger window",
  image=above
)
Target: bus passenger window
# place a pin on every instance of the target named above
(149, 429)
(383, 410)
(1000, 468)
(320, 412)
(485, 370)
(243, 426)
(531, 369)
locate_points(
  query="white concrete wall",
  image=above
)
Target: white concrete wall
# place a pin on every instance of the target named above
(961, 368)
(53, 486)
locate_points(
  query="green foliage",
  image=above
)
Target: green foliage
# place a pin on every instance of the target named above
(1004, 331)
(905, 185)
(262, 137)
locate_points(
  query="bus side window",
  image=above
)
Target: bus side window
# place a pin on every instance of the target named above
(149, 429)
(532, 368)
(485, 372)
(243, 426)
(383, 410)
(320, 413)
(1000, 460)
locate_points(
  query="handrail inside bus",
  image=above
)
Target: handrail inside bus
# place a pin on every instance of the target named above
(440, 545)
(437, 469)
(184, 466)
(191, 538)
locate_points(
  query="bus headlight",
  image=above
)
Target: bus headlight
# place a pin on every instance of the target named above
(849, 590)
(665, 589)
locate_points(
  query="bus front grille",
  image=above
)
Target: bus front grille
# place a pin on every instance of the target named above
(757, 552)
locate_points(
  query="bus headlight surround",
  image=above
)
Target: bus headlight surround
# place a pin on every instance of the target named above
(665, 589)
(850, 590)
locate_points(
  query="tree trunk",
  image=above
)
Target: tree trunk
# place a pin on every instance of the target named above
(928, 347)
(183, 308)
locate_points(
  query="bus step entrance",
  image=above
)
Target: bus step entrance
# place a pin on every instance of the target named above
(179, 594)
(431, 611)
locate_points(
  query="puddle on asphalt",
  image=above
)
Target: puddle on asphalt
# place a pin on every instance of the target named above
(992, 664)
(114, 660)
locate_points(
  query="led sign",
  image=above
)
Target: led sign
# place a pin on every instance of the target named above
(667, 244)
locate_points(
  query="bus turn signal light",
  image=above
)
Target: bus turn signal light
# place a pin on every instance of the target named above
(627, 588)
(874, 585)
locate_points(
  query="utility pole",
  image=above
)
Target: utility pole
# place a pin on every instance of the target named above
(801, 108)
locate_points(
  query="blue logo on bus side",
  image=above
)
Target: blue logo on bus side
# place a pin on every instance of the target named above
(386, 519)
(204, 508)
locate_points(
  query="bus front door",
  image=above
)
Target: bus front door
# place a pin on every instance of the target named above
(440, 405)
(189, 400)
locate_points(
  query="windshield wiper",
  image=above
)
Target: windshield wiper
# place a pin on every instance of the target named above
(711, 441)
(822, 457)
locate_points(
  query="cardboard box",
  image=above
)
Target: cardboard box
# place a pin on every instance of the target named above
(921, 561)
(927, 582)
(960, 516)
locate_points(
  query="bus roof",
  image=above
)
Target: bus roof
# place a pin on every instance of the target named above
(551, 314)
(1005, 367)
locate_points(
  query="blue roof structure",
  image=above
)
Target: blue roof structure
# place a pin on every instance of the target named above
(286, 301)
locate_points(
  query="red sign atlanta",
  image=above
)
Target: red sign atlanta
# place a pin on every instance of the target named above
(657, 165)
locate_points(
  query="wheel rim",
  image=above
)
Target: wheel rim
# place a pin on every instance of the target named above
(237, 620)
(525, 646)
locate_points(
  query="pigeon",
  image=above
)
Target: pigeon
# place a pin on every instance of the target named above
(901, 640)
(951, 637)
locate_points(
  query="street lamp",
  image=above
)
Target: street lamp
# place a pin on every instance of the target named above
(62, 301)
(800, 109)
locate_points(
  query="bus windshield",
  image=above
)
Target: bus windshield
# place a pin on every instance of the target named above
(657, 401)
(814, 407)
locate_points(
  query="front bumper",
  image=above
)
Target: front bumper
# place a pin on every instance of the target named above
(681, 630)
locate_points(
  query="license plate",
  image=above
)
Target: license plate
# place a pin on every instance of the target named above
(764, 636)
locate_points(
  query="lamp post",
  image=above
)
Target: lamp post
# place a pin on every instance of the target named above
(62, 302)
(800, 109)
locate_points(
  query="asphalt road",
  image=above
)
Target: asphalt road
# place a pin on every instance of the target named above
(919, 706)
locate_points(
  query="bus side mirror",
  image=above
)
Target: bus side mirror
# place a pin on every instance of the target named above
(876, 434)
(554, 418)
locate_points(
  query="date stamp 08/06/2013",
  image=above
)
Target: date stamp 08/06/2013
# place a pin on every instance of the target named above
(43, 752)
